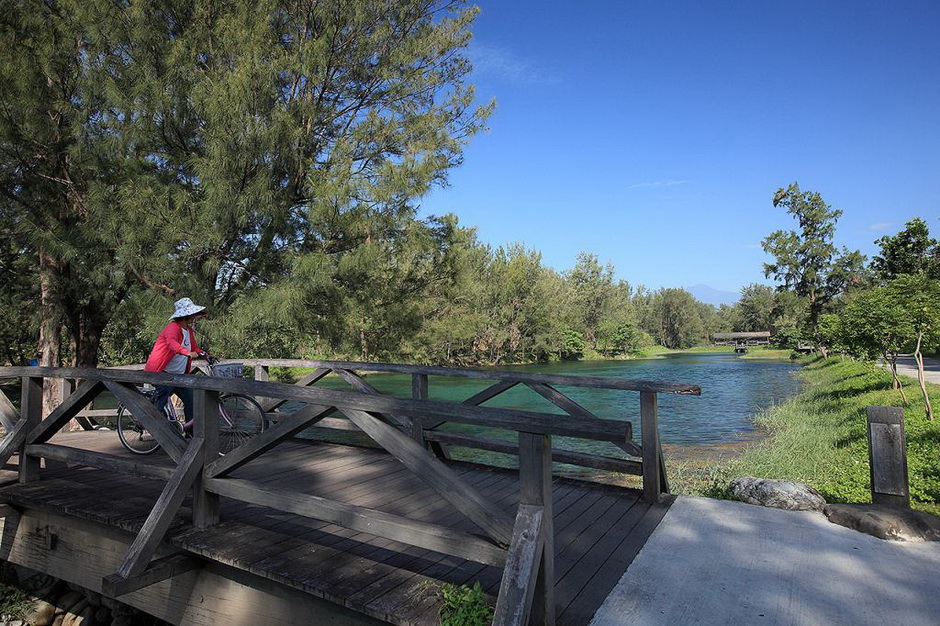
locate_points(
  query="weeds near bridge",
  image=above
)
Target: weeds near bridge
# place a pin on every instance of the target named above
(465, 606)
(14, 603)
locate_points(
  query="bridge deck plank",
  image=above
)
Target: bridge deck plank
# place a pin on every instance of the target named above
(598, 528)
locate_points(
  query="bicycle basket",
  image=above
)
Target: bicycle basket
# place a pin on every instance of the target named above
(228, 370)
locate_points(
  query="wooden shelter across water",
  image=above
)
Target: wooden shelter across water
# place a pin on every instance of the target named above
(306, 524)
(742, 340)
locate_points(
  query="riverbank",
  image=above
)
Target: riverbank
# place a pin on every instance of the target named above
(820, 438)
(754, 352)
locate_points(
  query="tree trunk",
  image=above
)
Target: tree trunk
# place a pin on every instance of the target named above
(50, 328)
(919, 359)
(85, 328)
(896, 382)
(363, 341)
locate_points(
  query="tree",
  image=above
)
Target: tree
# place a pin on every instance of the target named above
(592, 287)
(618, 330)
(59, 148)
(806, 261)
(194, 147)
(522, 302)
(18, 299)
(755, 308)
(911, 251)
(919, 298)
(678, 316)
(875, 324)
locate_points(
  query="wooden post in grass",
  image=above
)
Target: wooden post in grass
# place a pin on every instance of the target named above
(887, 456)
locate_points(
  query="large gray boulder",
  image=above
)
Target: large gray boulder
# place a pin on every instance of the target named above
(779, 494)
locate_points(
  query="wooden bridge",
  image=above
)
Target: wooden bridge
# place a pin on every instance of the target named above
(293, 527)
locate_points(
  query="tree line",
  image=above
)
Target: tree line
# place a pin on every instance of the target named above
(272, 169)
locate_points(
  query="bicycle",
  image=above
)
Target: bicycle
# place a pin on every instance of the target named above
(240, 417)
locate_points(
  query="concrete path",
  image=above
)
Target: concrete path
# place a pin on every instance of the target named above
(721, 562)
(908, 367)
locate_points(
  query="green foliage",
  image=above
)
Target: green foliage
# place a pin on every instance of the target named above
(626, 338)
(177, 150)
(18, 299)
(911, 251)
(874, 324)
(676, 319)
(763, 308)
(807, 262)
(592, 294)
(788, 337)
(918, 296)
(465, 606)
(573, 345)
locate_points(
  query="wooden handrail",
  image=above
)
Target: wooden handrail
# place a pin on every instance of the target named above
(512, 419)
(597, 382)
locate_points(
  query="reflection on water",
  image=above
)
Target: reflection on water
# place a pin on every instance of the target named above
(733, 390)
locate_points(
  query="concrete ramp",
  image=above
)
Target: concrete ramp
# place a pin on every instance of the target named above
(720, 562)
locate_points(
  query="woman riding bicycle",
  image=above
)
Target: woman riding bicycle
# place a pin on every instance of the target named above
(173, 352)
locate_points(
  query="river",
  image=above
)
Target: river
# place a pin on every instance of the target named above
(734, 389)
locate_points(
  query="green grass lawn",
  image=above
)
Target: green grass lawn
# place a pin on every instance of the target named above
(820, 438)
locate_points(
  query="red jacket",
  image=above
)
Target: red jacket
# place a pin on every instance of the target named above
(168, 344)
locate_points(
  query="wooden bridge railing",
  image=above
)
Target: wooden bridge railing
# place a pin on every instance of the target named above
(404, 427)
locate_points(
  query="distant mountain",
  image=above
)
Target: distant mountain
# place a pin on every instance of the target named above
(710, 295)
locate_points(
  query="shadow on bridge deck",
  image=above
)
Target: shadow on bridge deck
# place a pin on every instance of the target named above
(599, 529)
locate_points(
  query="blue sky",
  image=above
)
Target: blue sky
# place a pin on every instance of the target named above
(654, 134)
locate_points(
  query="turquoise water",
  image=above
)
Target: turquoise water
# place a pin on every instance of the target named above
(733, 390)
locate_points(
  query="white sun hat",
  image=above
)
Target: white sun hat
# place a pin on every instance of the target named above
(185, 307)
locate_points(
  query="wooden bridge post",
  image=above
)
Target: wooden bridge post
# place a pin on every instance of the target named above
(653, 469)
(261, 373)
(31, 414)
(419, 391)
(206, 427)
(535, 488)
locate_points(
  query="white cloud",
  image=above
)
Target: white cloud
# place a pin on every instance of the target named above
(881, 227)
(502, 63)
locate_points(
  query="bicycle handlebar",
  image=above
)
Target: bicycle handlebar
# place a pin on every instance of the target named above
(211, 360)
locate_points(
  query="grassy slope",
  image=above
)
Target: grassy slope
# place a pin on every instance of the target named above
(819, 438)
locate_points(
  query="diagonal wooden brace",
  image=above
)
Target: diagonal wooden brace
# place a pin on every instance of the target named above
(152, 419)
(271, 437)
(163, 512)
(9, 416)
(63, 413)
(269, 404)
(438, 476)
(159, 570)
(362, 386)
(560, 400)
(13, 440)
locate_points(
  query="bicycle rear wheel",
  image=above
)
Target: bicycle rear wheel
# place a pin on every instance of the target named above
(241, 418)
(132, 434)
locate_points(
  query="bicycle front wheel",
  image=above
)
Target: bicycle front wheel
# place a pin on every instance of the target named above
(240, 419)
(133, 435)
